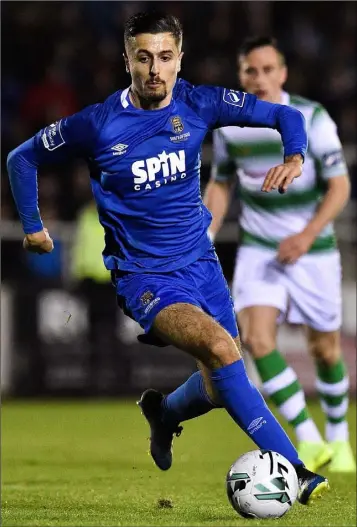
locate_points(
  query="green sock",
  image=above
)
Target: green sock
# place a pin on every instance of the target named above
(282, 386)
(332, 385)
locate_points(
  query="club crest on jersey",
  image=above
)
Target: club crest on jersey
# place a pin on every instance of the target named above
(146, 298)
(234, 97)
(177, 124)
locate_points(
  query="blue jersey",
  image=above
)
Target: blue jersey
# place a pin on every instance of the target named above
(145, 169)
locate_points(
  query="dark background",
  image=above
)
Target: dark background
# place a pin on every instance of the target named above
(58, 57)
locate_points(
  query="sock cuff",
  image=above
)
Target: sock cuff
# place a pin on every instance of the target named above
(236, 368)
(331, 374)
(271, 365)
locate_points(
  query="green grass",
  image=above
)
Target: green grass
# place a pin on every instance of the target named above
(86, 463)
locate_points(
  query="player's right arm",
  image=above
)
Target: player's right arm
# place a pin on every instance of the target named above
(220, 107)
(218, 191)
(70, 137)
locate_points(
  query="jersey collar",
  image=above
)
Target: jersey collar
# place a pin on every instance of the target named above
(285, 98)
(126, 103)
(124, 98)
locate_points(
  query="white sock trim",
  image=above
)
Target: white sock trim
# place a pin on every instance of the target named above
(337, 431)
(293, 406)
(335, 411)
(280, 381)
(337, 388)
(308, 431)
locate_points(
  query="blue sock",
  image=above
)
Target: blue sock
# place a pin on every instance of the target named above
(188, 401)
(247, 407)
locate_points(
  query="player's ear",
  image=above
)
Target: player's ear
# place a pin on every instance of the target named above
(179, 62)
(126, 60)
(284, 74)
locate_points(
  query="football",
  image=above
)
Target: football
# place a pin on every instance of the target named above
(262, 484)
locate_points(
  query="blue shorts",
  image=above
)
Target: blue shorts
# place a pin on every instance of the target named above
(143, 295)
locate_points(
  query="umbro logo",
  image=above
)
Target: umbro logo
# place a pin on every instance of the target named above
(255, 425)
(119, 149)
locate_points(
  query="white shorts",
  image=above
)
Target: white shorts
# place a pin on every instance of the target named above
(306, 292)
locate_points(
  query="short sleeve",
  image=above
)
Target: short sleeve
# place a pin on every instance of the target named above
(325, 145)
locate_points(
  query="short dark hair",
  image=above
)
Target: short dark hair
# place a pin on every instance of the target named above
(153, 22)
(259, 42)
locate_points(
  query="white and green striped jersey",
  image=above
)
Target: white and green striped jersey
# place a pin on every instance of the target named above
(267, 218)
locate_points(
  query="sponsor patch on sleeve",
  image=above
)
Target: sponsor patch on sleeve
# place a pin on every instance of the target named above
(333, 158)
(234, 97)
(52, 137)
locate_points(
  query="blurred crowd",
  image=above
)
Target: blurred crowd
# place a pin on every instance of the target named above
(60, 56)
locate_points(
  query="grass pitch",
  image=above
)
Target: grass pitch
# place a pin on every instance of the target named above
(86, 463)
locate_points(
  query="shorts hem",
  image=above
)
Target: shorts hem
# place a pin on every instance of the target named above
(242, 305)
(317, 327)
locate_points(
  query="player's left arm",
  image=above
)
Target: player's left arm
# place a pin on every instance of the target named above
(236, 108)
(326, 148)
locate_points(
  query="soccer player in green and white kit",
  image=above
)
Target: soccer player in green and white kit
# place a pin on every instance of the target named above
(288, 264)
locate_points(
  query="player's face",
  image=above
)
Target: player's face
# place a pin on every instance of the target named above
(153, 62)
(263, 73)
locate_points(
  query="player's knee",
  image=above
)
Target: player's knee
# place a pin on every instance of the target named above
(223, 351)
(258, 343)
(325, 348)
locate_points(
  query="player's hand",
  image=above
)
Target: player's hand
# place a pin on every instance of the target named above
(293, 247)
(38, 242)
(281, 176)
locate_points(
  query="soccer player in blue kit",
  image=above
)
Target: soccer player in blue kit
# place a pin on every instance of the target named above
(143, 149)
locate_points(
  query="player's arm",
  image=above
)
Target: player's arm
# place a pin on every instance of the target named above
(217, 198)
(235, 108)
(335, 199)
(218, 191)
(69, 137)
(326, 148)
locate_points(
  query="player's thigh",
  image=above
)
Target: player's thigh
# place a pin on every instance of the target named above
(314, 286)
(258, 280)
(214, 295)
(258, 329)
(190, 329)
(143, 296)
(324, 346)
(170, 305)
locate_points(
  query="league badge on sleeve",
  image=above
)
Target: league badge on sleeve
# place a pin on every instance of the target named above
(234, 97)
(333, 158)
(52, 137)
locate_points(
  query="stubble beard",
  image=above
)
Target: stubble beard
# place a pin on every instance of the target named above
(150, 96)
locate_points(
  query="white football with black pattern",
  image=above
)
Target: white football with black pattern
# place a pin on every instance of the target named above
(262, 484)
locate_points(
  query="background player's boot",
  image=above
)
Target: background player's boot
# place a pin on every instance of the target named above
(343, 459)
(161, 436)
(311, 485)
(314, 454)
